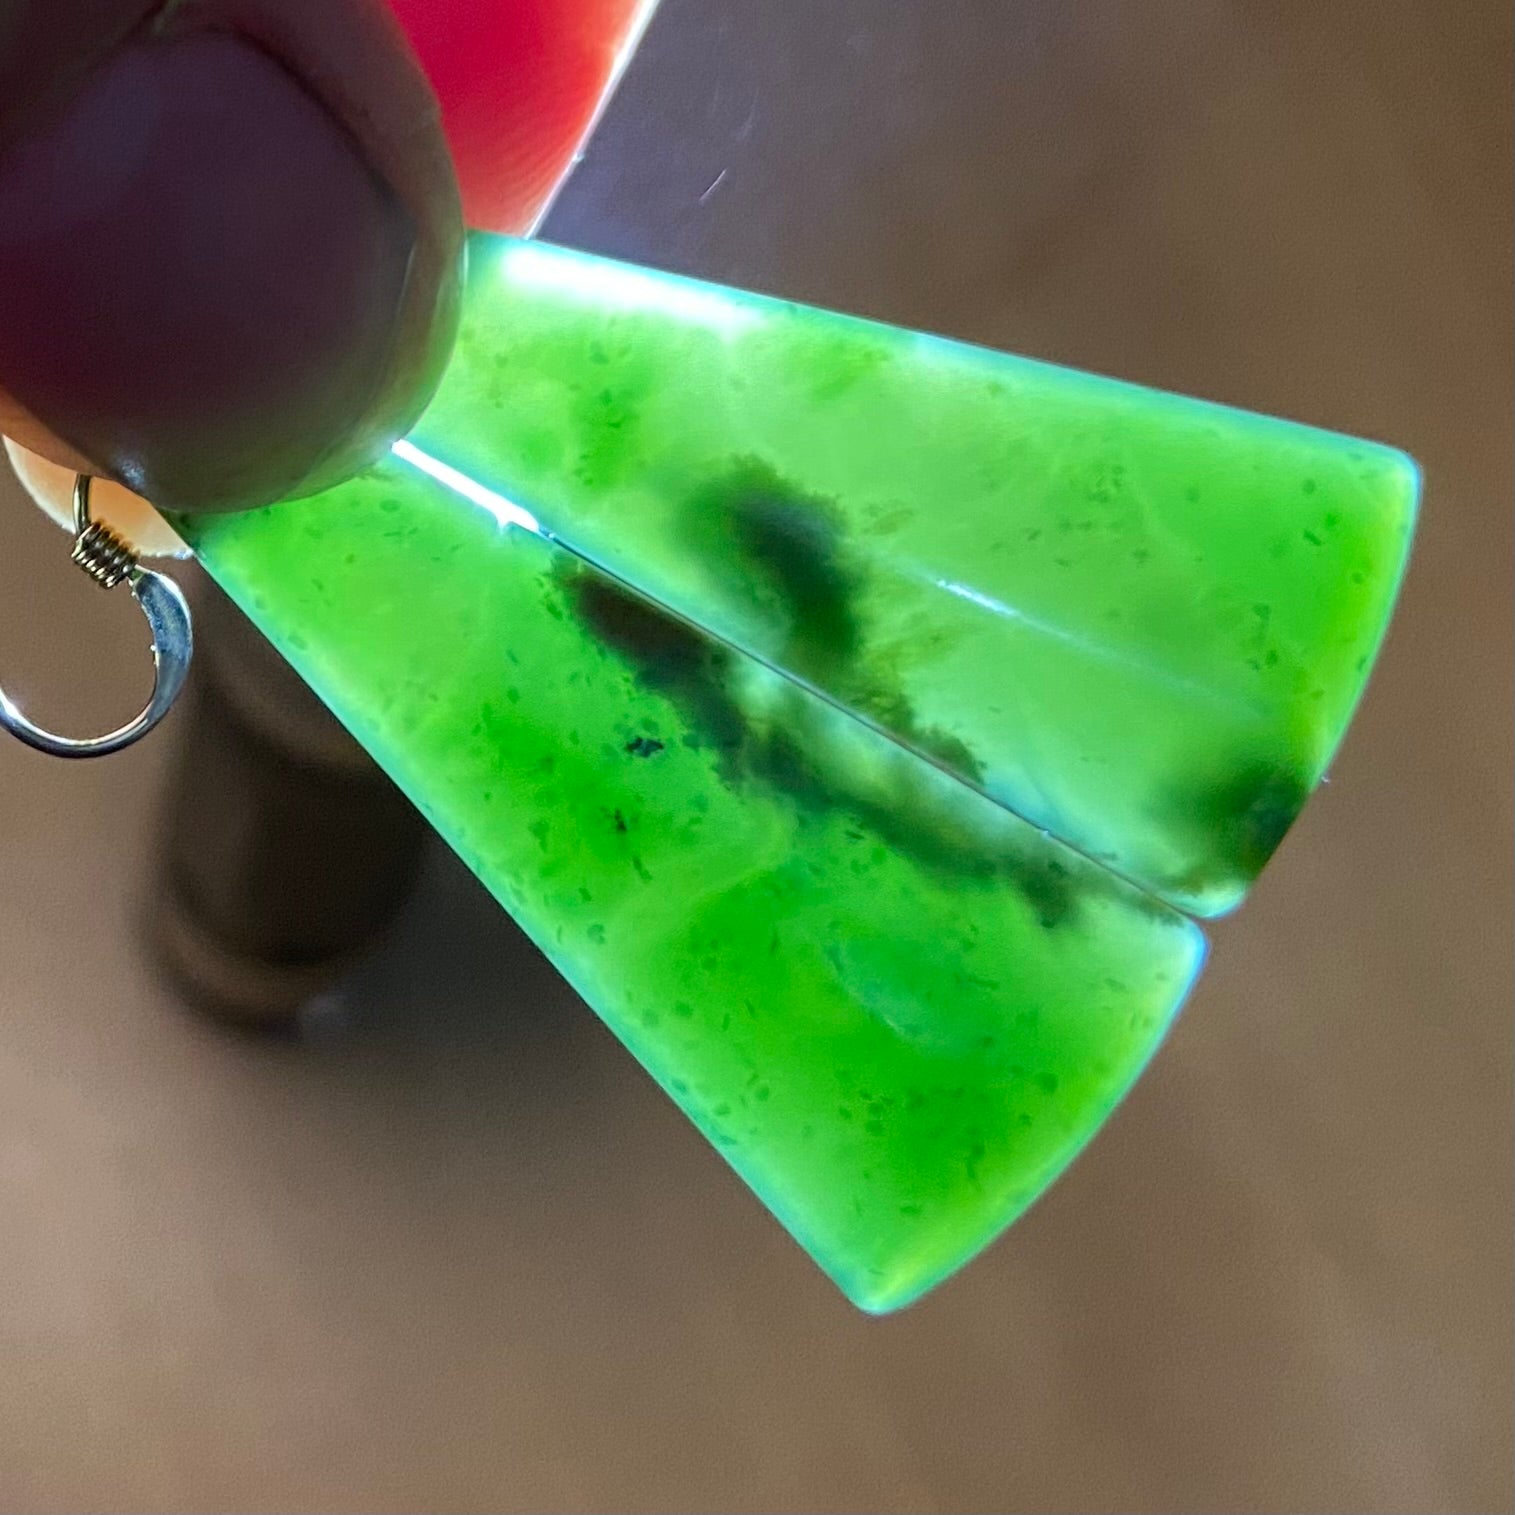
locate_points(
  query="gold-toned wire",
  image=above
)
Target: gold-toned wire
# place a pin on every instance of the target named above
(109, 559)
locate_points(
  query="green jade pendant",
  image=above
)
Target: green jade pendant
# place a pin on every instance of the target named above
(854, 717)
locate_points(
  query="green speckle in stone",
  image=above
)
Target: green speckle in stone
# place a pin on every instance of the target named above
(842, 710)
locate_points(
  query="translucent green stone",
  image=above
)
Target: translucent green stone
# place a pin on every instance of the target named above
(764, 663)
(1140, 621)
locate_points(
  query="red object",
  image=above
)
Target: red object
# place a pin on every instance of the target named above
(520, 82)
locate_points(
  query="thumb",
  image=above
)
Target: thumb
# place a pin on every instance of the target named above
(229, 242)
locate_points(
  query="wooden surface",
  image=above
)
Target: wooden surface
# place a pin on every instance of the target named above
(455, 1253)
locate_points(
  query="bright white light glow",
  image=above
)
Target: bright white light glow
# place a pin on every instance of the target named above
(1096, 651)
(612, 287)
(506, 512)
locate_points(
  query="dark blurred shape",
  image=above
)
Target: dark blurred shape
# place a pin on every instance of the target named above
(285, 851)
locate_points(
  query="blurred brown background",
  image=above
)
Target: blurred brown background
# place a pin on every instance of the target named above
(454, 1252)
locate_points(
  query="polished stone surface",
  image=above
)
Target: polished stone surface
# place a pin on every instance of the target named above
(1138, 620)
(895, 1008)
(768, 696)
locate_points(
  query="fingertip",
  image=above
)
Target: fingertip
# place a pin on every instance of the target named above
(224, 277)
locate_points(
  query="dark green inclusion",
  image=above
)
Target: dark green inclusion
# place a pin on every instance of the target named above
(795, 729)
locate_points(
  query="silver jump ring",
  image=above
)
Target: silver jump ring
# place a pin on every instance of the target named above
(109, 560)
